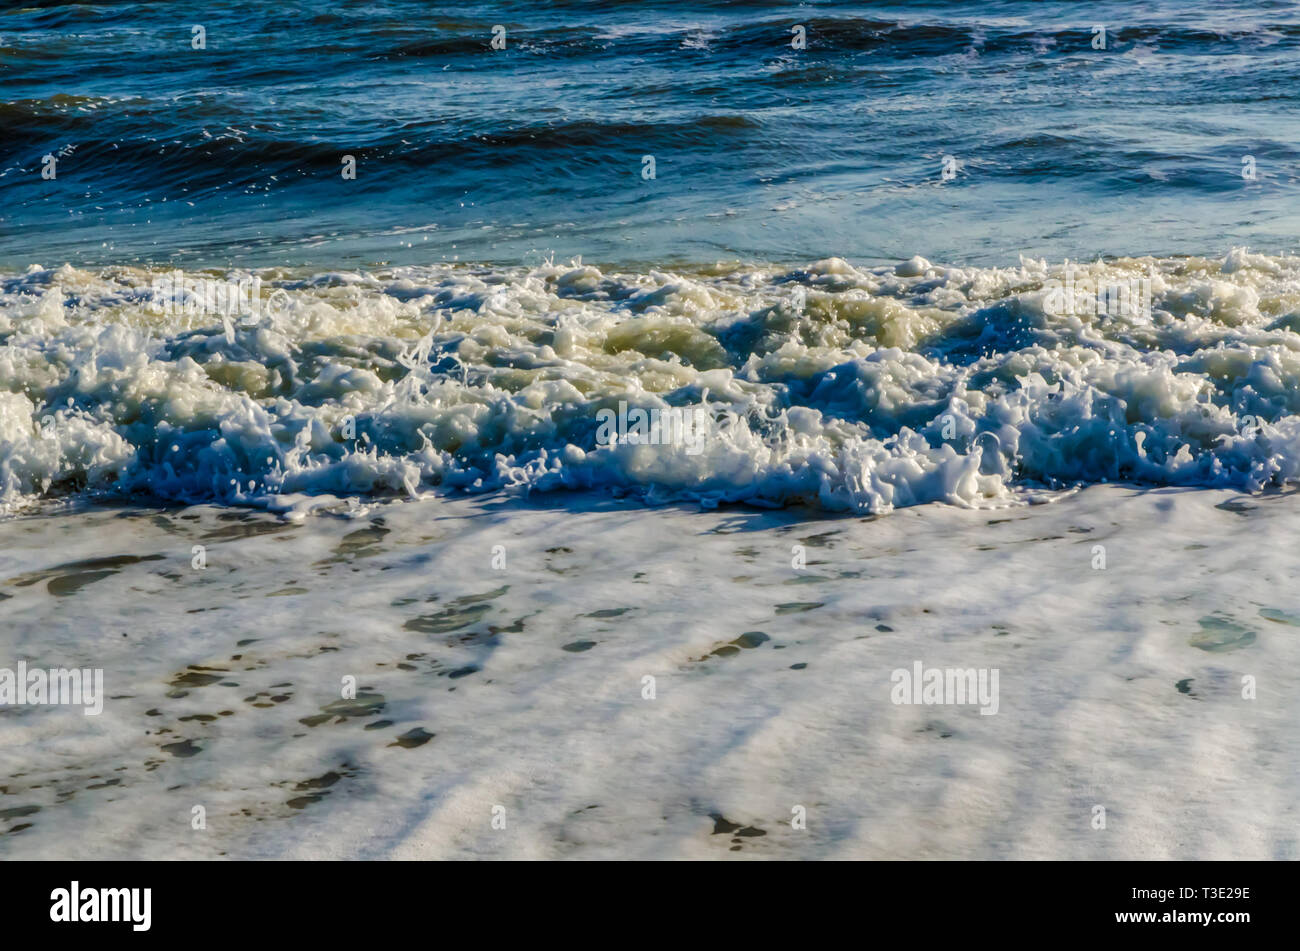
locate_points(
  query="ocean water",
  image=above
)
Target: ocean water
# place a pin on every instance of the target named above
(650, 345)
(231, 155)
(430, 323)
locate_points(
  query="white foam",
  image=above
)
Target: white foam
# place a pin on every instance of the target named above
(849, 388)
(1121, 682)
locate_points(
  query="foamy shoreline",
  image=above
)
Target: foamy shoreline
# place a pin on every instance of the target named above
(522, 686)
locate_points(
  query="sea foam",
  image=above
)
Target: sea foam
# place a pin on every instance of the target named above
(848, 388)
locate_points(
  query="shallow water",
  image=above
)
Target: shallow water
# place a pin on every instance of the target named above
(772, 683)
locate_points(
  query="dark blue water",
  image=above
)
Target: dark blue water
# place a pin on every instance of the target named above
(232, 155)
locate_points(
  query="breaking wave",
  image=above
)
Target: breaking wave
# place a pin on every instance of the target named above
(847, 388)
